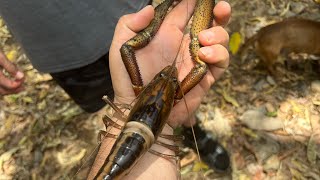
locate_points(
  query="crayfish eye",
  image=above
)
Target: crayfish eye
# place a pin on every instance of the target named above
(174, 80)
(162, 75)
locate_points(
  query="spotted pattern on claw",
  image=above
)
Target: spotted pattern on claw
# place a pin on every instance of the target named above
(139, 41)
(202, 19)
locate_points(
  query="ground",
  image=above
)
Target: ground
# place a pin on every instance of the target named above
(269, 124)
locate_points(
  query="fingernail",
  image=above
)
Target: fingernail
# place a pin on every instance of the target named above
(209, 35)
(19, 75)
(206, 51)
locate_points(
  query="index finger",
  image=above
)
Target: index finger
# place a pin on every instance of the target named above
(222, 13)
(181, 14)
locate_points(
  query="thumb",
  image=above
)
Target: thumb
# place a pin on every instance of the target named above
(138, 21)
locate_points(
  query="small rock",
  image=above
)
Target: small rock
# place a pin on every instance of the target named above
(297, 7)
(255, 170)
(256, 119)
(266, 148)
(261, 84)
(301, 88)
(240, 110)
(272, 163)
(211, 115)
(37, 157)
(271, 81)
(217, 123)
(315, 86)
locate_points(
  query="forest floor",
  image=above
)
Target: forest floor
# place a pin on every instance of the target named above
(269, 124)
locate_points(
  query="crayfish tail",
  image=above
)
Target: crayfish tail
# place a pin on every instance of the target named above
(128, 149)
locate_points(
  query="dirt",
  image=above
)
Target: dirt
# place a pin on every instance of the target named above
(269, 124)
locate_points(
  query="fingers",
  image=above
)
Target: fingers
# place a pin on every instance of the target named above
(215, 41)
(215, 35)
(215, 54)
(10, 67)
(217, 57)
(7, 85)
(222, 13)
(14, 91)
(181, 14)
(137, 21)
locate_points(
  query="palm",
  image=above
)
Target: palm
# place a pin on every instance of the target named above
(160, 52)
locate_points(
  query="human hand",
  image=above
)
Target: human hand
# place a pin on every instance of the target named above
(159, 53)
(163, 48)
(10, 85)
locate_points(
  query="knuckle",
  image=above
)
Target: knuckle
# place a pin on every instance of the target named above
(222, 51)
(226, 34)
(123, 19)
(222, 32)
(225, 51)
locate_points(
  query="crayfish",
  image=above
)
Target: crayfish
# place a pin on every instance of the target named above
(148, 116)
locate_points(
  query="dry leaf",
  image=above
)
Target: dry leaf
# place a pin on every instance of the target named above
(70, 155)
(235, 42)
(228, 97)
(12, 55)
(200, 166)
(312, 151)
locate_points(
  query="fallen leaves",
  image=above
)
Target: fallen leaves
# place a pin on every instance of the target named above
(312, 150)
(36, 123)
(235, 42)
(70, 155)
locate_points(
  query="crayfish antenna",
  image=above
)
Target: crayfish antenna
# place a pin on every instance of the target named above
(193, 133)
